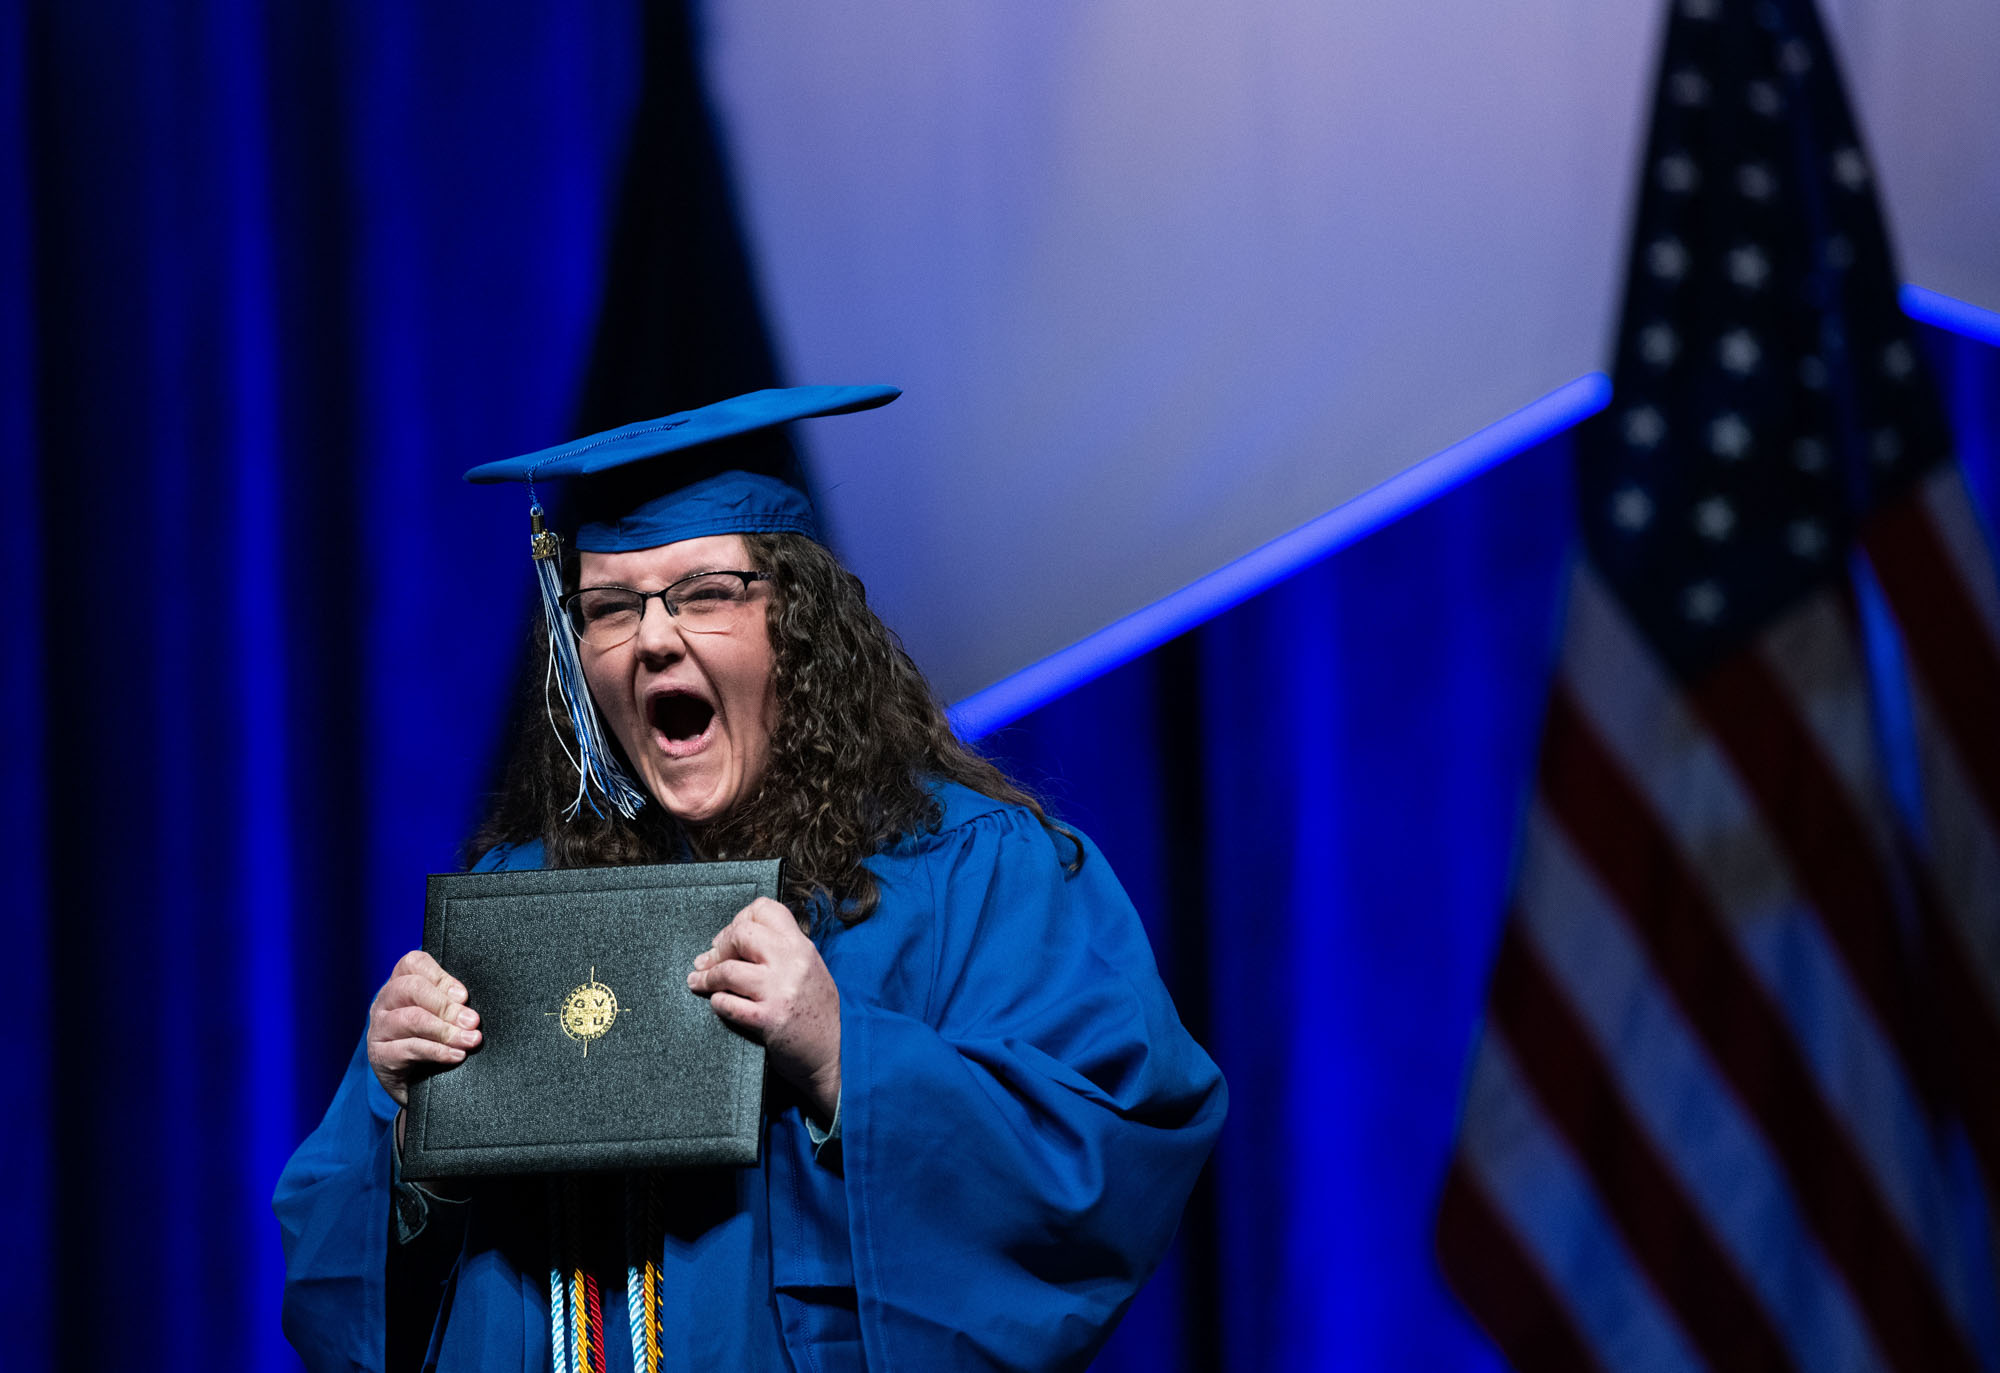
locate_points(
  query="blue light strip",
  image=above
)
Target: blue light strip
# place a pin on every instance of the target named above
(1149, 627)
(1947, 312)
(1145, 629)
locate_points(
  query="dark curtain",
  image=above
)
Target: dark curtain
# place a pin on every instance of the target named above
(276, 274)
(1312, 798)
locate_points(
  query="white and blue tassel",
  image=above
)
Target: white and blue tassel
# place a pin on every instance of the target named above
(598, 773)
(558, 1288)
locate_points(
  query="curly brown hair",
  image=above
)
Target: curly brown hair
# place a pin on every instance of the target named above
(859, 741)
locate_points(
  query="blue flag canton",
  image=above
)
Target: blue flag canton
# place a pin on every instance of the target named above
(1768, 391)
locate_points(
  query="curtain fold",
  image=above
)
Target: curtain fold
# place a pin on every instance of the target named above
(1354, 742)
(25, 1151)
(283, 272)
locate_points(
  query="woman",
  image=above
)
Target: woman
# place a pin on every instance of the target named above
(984, 1116)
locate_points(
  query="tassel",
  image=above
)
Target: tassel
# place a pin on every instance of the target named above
(558, 1282)
(635, 1278)
(643, 1241)
(579, 1290)
(598, 773)
(594, 1358)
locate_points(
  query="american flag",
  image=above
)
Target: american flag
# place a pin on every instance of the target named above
(1736, 1104)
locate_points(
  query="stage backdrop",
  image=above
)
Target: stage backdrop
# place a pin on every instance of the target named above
(1168, 278)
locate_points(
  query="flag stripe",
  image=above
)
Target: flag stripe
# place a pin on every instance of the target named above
(1965, 540)
(1616, 833)
(1959, 849)
(1665, 1232)
(1958, 893)
(1970, 1030)
(1664, 750)
(1832, 854)
(1854, 1070)
(1958, 664)
(1813, 657)
(1669, 1079)
(1682, 773)
(1649, 728)
(1542, 1194)
(1957, 884)
(1502, 1285)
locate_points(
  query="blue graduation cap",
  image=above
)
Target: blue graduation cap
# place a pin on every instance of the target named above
(708, 471)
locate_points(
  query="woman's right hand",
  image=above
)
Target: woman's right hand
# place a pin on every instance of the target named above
(418, 1024)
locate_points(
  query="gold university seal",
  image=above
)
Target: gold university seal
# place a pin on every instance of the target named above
(587, 1012)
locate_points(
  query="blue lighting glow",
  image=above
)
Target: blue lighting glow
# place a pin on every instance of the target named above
(1147, 628)
(1947, 312)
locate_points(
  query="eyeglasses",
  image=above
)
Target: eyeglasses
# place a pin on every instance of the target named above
(706, 603)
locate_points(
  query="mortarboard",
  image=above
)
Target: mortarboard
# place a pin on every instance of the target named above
(715, 470)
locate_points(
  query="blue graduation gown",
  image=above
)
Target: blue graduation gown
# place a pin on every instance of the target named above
(1022, 1118)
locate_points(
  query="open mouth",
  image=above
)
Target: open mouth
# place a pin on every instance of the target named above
(679, 719)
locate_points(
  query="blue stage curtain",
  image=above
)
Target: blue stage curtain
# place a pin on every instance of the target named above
(276, 274)
(1316, 794)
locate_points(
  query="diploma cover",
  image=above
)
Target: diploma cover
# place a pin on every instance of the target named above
(594, 1053)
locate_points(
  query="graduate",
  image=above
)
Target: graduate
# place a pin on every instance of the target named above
(982, 1117)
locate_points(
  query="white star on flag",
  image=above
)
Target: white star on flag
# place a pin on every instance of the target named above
(1703, 603)
(1644, 427)
(1632, 509)
(1666, 258)
(1678, 173)
(1728, 436)
(1715, 518)
(1754, 179)
(1806, 538)
(1738, 352)
(1659, 344)
(1748, 266)
(1690, 87)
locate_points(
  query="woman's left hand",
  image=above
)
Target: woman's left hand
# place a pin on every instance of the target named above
(764, 976)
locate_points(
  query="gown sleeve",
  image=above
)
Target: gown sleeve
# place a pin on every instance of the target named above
(333, 1208)
(1017, 1153)
(332, 1203)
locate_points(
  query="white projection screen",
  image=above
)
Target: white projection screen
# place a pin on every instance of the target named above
(1164, 280)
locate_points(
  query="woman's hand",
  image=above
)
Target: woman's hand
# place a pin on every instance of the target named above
(764, 976)
(418, 1024)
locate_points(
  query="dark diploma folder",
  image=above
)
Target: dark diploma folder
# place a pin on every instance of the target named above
(594, 1052)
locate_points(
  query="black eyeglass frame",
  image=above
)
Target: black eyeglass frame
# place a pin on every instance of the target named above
(665, 594)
